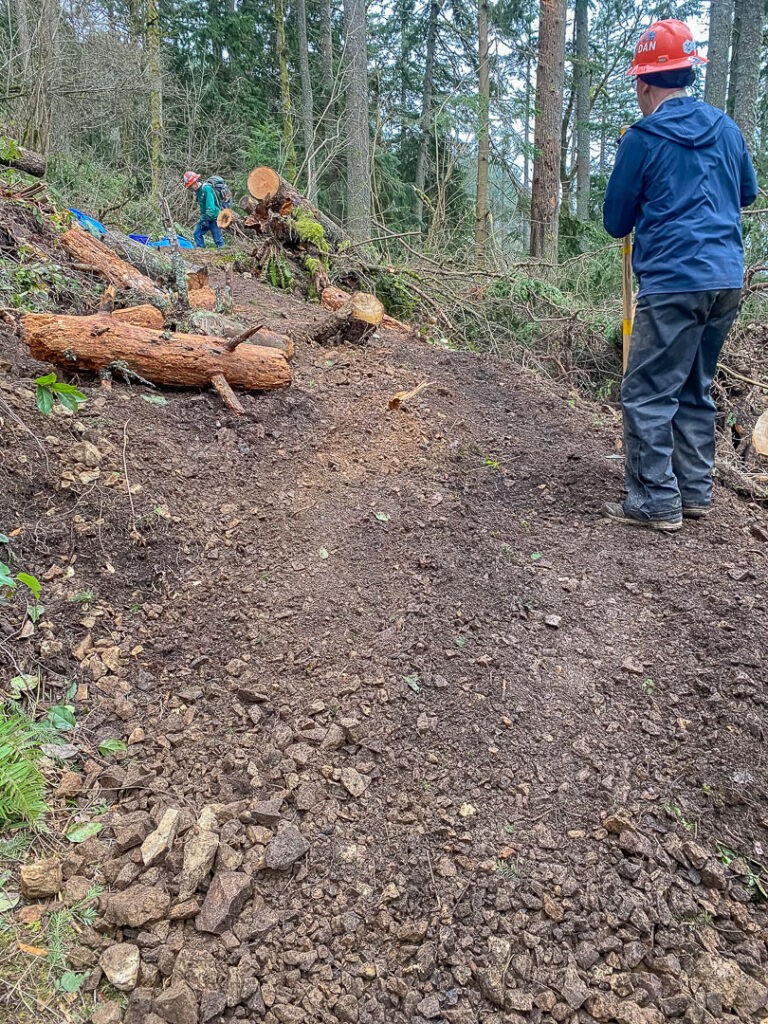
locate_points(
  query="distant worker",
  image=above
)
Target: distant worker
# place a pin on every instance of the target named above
(209, 205)
(681, 176)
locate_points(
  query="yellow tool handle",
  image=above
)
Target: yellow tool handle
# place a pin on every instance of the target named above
(626, 295)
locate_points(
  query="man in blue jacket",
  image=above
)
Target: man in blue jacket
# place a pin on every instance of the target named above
(681, 176)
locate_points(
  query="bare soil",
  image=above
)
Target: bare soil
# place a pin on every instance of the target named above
(552, 720)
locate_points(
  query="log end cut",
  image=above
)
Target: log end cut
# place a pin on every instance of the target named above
(263, 183)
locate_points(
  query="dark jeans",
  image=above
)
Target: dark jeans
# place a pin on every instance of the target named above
(207, 225)
(669, 414)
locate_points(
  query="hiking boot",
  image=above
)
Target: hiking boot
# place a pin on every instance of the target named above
(696, 511)
(616, 512)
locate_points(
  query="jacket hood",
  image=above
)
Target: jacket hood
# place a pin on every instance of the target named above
(686, 121)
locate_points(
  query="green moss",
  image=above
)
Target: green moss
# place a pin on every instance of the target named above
(309, 230)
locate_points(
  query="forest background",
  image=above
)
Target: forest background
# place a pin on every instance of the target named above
(440, 133)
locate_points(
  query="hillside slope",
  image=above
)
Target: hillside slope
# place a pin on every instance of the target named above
(510, 733)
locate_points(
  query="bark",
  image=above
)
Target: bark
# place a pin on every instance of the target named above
(155, 99)
(326, 51)
(141, 316)
(483, 133)
(86, 249)
(202, 298)
(357, 123)
(425, 127)
(92, 343)
(336, 298)
(23, 160)
(549, 109)
(747, 82)
(720, 24)
(738, 9)
(147, 260)
(286, 107)
(307, 104)
(273, 194)
(581, 69)
(353, 323)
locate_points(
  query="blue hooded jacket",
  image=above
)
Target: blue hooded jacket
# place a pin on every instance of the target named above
(680, 179)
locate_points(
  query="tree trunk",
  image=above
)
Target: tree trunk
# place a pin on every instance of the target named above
(527, 124)
(425, 127)
(22, 159)
(273, 194)
(335, 298)
(326, 51)
(748, 69)
(720, 24)
(483, 132)
(550, 76)
(307, 103)
(93, 343)
(94, 254)
(357, 127)
(140, 316)
(738, 9)
(154, 66)
(581, 69)
(286, 108)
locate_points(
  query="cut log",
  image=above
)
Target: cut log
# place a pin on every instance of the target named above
(84, 248)
(353, 323)
(197, 277)
(334, 298)
(275, 194)
(147, 260)
(203, 298)
(264, 183)
(26, 160)
(93, 343)
(228, 396)
(222, 326)
(224, 218)
(141, 316)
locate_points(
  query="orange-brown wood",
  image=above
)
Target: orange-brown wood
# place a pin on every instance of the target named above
(335, 298)
(203, 298)
(227, 395)
(84, 248)
(263, 183)
(182, 360)
(141, 316)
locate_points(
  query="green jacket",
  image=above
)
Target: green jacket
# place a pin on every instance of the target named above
(208, 203)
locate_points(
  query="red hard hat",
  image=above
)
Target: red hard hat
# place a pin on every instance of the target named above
(190, 178)
(665, 46)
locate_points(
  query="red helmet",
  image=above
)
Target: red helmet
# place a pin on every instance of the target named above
(665, 46)
(190, 178)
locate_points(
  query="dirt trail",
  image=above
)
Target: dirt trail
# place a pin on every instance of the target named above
(510, 732)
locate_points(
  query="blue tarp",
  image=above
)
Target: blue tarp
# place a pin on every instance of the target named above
(164, 243)
(88, 223)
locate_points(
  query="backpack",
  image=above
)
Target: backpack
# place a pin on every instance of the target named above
(223, 194)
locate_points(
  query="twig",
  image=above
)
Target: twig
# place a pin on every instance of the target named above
(232, 345)
(132, 524)
(434, 883)
(740, 376)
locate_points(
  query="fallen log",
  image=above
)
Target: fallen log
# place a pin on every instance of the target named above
(26, 160)
(334, 298)
(84, 248)
(218, 325)
(275, 194)
(141, 316)
(94, 343)
(150, 262)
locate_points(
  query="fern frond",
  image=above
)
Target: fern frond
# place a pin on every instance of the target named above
(22, 784)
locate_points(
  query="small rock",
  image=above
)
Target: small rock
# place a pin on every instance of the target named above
(70, 785)
(713, 875)
(41, 878)
(518, 999)
(267, 812)
(177, 1004)
(212, 1005)
(136, 906)
(334, 738)
(228, 859)
(288, 846)
(737, 989)
(573, 989)
(347, 1010)
(429, 1007)
(618, 823)
(131, 829)
(184, 910)
(553, 621)
(160, 842)
(552, 908)
(308, 796)
(199, 854)
(354, 783)
(85, 454)
(121, 963)
(695, 853)
(227, 895)
(107, 1013)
